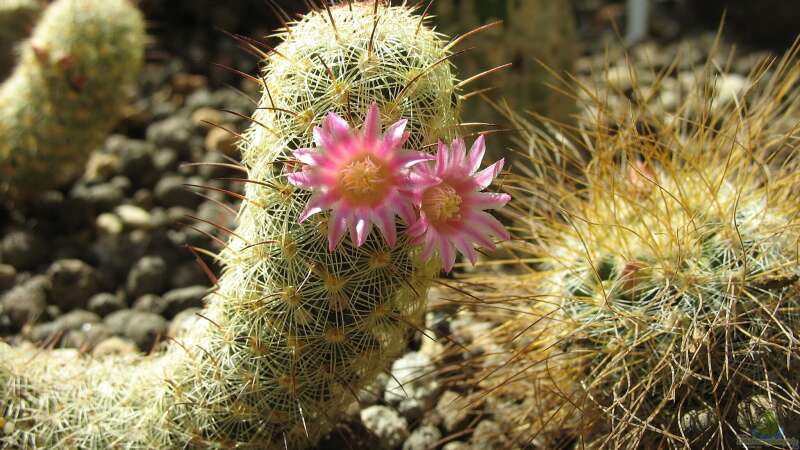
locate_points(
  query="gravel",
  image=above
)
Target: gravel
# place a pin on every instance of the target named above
(384, 422)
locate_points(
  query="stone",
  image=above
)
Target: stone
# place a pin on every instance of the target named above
(145, 329)
(87, 337)
(136, 159)
(101, 166)
(173, 132)
(106, 303)
(423, 438)
(103, 197)
(55, 331)
(23, 250)
(177, 300)
(148, 276)
(118, 320)
(73, 283)
(183, 322)
(222, 141)
(149, 303)
(384, 422)
(26, 302)
(108, 223)
(134, 216)
(187, 274)
(452, 408)
(488, 435)
(204, 117)
(8, 274)
(114, 346)
(171, 191)
(412, 388)
(166, 160)
(457, 445)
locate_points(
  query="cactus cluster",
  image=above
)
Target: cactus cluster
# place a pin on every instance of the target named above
(664, 309)
(74, 74)
(293, 330)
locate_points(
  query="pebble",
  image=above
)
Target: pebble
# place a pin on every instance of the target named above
(222, 141)
(26, 302)
(453, 411)
(412, 388)
(183, 322)
(177, 300)
(149, 303)
(118, 320)
(148, 276)
(87, 337)
(145, 328)
(457, 445)
(108, 223)
(114, 346)
(384, 422)
(174, 132)
(56, 330)
(136, 159)
(101, 166)
(489, 436)
(103, 197)
(23, 250)
(187, 274)
(134, 216)
(73, 282)
(423, 438)
(171, 191)
(204, 117)
(8, 275)
(106, 303)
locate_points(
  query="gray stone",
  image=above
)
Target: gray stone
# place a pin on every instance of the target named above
(8, 274)
(412, 383)
(118, 321)
(423, 438)
(23, 250)
(136, 159)
(26, 302)
(188, 274)
(177, 300)
(103, 197)
(170, 191)
(73, 283)
(452, 408)
(456, 445)
(149, 303)
(134, 216)
(106, 303)
(174, 132)
(55, 331)
(108, 223)
(87, 337)
(144, 329)
(384, 422)
(183, 322)
(114, 346)
(148, 276)
(488, 435)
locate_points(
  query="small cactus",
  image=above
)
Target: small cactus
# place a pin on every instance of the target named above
(664, 311)
(296, 326)
(74, 75)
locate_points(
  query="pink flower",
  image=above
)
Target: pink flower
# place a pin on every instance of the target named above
(452, 208)
(361, 176)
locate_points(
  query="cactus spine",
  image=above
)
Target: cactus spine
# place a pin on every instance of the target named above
(74, 75)
(293, 330)
(665, 313)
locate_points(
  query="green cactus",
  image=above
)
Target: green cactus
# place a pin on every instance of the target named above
(293, 331)
(75, 74)
(16, 19)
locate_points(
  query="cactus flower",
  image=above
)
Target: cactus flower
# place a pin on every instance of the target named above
(452, 207)
(361, 176)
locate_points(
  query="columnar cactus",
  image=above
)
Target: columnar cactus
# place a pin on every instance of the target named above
(75, 73)
(300, 320)
(16, 21)
(664, 313)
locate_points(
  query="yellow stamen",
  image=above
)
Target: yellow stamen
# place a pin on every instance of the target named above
(363, 181)
(441, 204)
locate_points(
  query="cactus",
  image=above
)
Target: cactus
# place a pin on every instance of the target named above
(293, 330)
(664, 311)
(74, 75)
(16, 20)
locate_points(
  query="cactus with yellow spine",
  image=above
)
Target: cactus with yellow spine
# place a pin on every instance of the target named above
(74, 74)
(664, 309)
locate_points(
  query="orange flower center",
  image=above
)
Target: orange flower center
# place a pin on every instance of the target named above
(363, 181)
(441, 204)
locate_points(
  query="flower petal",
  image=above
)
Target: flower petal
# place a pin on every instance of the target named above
(465, 248)
(372, 126)
(307, 156)
(457, 153)
(302, 179)
(487, 221)
(316, 204)
(408, 159)
(476, 154)
(360, 227)
(486, 176)
(487, 200)
(448, 254)
(395, 136)
(337, 225)
(441, 158)
(385, 223)
(335, 126)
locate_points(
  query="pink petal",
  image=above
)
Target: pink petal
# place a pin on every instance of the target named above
(448, 254)
(406, 212)
(387, 226)
(335, 126)
(301, 179)
(429, 244)
(336, 227)
(395, 136)
(479, 237)
(408, 159)
(316, 204)
(419, 227)
(486, 220)
(486, 176)
(485, 200)
(476, 154)
(457, 153)
(465, 248)
(372, 126)
(307, 156)
(360, 227)
(441, 158)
